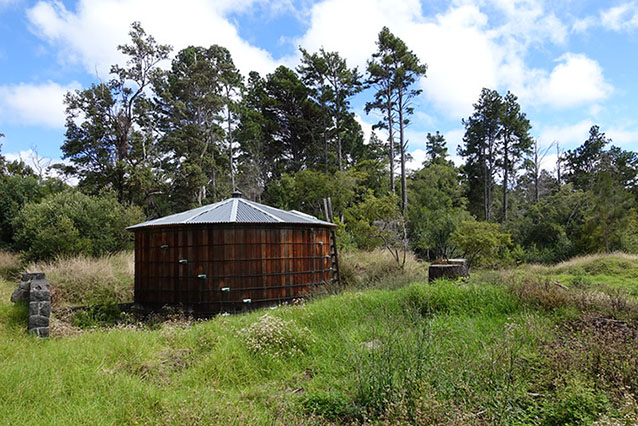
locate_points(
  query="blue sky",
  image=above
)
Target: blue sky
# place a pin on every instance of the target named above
(571, 63)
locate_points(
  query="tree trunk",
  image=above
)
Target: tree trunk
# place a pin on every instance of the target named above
(486, 203)
(404, 186)
(537, 168)
(230, 148)
(391, 139)
(558, 163)
(505, 177)
(325, 139)
(339, 155)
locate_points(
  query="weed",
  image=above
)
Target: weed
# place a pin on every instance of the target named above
(330, 405)
(393, 371)
(574, 404)
(97, 316)
(276, 337)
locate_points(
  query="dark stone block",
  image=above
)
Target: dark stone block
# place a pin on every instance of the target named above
(33, 276)
(40, 285)
(34, 308)
(38, 321)
(45, 309)
(19, 295)
(40, 295)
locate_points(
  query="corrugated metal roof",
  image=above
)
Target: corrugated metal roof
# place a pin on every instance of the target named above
(234, 210)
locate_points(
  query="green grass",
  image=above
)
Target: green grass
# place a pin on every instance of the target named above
(617, 271)
(487, 351)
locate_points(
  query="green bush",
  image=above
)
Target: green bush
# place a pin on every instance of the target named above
(103, 315)
(481, 243)
(69, 223)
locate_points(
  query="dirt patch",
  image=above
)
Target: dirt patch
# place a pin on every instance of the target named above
(602, 350)
(608, 329)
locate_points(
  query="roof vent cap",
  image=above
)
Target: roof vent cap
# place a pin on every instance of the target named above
(236, 194)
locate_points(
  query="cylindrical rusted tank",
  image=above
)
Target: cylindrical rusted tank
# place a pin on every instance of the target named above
(232, 256)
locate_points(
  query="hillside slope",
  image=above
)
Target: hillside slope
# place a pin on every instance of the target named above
(503, 348)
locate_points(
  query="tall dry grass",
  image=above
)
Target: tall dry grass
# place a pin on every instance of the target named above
(87, 280)
(378, 269)
(9, 265)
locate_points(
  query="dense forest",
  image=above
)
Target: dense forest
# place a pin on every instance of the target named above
(152, 141)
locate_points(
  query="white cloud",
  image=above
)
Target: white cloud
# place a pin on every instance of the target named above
(89, 34)
(621, 18)
(623, 137)
(418, 157)
(465, 48)
(365, 127)
(573, 135)
(568, 136)
(34, 104)
(576, 80)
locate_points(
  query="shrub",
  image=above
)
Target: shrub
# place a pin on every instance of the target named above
(97, 316)
(15, 192)
(69, 223)
(480, 242)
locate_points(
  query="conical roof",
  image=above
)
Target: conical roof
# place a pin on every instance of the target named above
(234, 210)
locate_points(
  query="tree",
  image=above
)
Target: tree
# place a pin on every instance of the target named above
(254, 164)
(496, 140)
(482, 130)
(516, 142)
(609, 204)
(196, 108)
(394, 69)
(231, 82)
(582, 162)
(435, 148)
(332, 85)
(381, 76)
(437, 207)
(109, 134)
(292, 123)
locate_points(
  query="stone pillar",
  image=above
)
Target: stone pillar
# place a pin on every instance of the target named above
(35, 290)
(39, 306)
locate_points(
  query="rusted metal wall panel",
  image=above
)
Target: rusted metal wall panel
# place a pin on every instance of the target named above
(215, 268)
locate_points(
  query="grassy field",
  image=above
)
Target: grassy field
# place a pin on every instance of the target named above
(508, 347)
